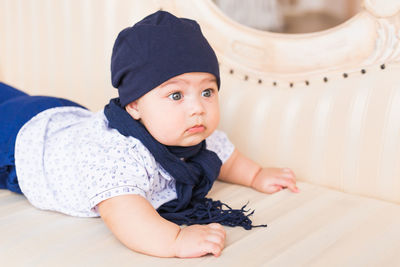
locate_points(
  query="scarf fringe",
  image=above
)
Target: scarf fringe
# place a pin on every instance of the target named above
(207, 211)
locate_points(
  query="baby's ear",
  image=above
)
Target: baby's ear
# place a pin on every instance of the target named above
(132, 109)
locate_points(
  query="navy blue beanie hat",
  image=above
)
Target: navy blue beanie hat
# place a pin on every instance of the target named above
(156, 49)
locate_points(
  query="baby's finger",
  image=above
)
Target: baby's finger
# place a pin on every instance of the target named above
(220, 233)
(211, 247)
(294, 189)
(217, 239)
(274, 188)
(217, 227)
(289, 183)
(288, 173)
(287, 170)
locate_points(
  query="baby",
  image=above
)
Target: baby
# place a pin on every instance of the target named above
(147, 161)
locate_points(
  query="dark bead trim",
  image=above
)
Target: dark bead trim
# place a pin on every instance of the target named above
(307, 82)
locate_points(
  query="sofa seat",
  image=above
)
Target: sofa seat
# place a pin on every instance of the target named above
(316, 227)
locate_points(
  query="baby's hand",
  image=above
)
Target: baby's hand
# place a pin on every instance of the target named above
(271, 180)
(198, 240)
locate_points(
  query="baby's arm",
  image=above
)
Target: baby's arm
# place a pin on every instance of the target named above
(135, 222)
(241, 170)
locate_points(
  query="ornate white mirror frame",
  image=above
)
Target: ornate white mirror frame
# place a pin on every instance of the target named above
(370, 37)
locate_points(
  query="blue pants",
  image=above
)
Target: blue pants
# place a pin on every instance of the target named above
(16, 108)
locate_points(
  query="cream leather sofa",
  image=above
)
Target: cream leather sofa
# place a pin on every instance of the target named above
(325, 104)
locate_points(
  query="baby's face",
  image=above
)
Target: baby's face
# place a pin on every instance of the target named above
(182, 111)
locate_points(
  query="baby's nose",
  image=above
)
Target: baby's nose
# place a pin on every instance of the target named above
(196, 107)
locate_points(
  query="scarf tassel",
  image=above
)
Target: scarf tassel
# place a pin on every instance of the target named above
(207, 211)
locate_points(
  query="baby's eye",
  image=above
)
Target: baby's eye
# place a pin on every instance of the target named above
(207, 93)
(175, 96)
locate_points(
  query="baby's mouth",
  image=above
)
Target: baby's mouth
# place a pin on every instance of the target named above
(196, 129)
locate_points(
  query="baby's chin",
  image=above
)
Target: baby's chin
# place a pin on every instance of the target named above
(188, 141)
(195, 139)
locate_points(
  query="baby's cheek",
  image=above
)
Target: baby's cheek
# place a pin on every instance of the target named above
(166, 131)
(213, 119)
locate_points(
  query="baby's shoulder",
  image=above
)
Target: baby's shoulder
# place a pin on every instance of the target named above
(106, 143)
(216, 139)
(219, 143)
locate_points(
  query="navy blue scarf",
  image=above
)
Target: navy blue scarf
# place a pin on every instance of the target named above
(194, 175)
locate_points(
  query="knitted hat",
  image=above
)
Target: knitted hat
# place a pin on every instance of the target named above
(154, 50)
